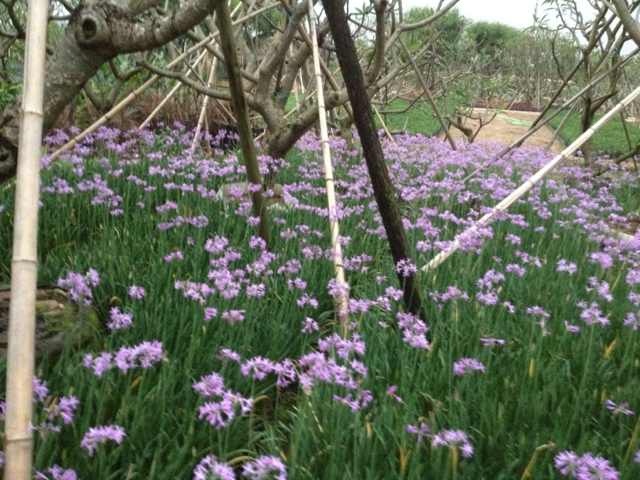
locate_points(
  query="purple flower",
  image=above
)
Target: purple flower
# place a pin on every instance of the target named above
(97, 435)
(310, 325)
(210, 468)
(80, 286)
(210, 385)
(119, 320)
(265, 468)
(636, 458)
(210, 313)
(143, 355)
(565, 266)
(136, 292)
(421, 431)
(467, 365)
(405, 268)
(453, 438)
(585, 467)
(233, 316)
(603, 259)
(57, 473)
(40, 389)
(65, 409)
(622, 408)
(492, 342)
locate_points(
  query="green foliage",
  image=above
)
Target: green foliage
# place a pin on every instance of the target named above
(420, 117)
(491, 38)
(8, 93)
(444, 34)
(610, 139)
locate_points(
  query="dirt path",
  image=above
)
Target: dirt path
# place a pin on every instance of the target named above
(510, 125)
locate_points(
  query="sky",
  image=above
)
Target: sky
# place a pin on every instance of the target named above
(517, 13)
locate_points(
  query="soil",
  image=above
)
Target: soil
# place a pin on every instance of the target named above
(508, 126)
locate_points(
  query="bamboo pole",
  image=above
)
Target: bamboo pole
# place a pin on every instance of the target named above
(205, 103)
(532, 181)
(342, 299)
(171, 93)
(427, 92)
(239, 103)
(384, 125)
(154, 78)
(540, 125)
(24, 265)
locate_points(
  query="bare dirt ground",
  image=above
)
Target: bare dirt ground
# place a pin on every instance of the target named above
(508, 126)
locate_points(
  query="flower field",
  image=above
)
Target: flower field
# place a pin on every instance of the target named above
(218, 359)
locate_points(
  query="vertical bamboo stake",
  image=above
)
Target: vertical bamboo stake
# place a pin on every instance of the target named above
(384, 125)
(239, 103)
(205, 102)
(172, 92)
(342, 300)
(532, 181)
(24, 265)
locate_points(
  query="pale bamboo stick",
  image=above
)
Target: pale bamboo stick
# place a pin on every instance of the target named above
(342, 299)
(24, 265)
(384, 125)
(205, 102)
(171, 93)
(154, 78)
(531, 182)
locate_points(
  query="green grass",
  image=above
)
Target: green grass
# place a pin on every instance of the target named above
(609, 140)
(537, 389)
(420, 117)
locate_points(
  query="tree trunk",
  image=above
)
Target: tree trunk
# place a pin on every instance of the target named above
(383, 189)
(239, 103)
(97, 32)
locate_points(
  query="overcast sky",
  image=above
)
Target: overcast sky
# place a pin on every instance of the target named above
(518, 13)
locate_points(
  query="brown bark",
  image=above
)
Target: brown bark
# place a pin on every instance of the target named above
(97, 32)
(383, 189)
(239, 104)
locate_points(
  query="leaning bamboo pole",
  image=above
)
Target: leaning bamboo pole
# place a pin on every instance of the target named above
(172, 92)
(544, 123)
(342, 298)
(532, 181)
(153, 79)
(205, 103)
(24, 265)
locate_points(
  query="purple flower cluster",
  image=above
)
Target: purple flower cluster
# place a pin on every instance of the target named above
(119, 320)
(102, 434)
(584, 467)
(221, 412)
(467, 365)
(210, 468)
(265, 468)
(143, 355)
(80, 286)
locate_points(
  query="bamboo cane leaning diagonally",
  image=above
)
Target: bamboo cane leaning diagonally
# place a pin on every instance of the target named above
(342, 298)
(154, 78)
(531, 182)
(542, 124)
(172, 92)
(24, 266)
(205, 103)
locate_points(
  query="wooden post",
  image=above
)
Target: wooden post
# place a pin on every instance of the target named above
(239, 103)
(342, 300)
(24, 265)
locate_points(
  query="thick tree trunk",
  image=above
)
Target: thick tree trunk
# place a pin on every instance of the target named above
(98, 31)
(383, 189)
